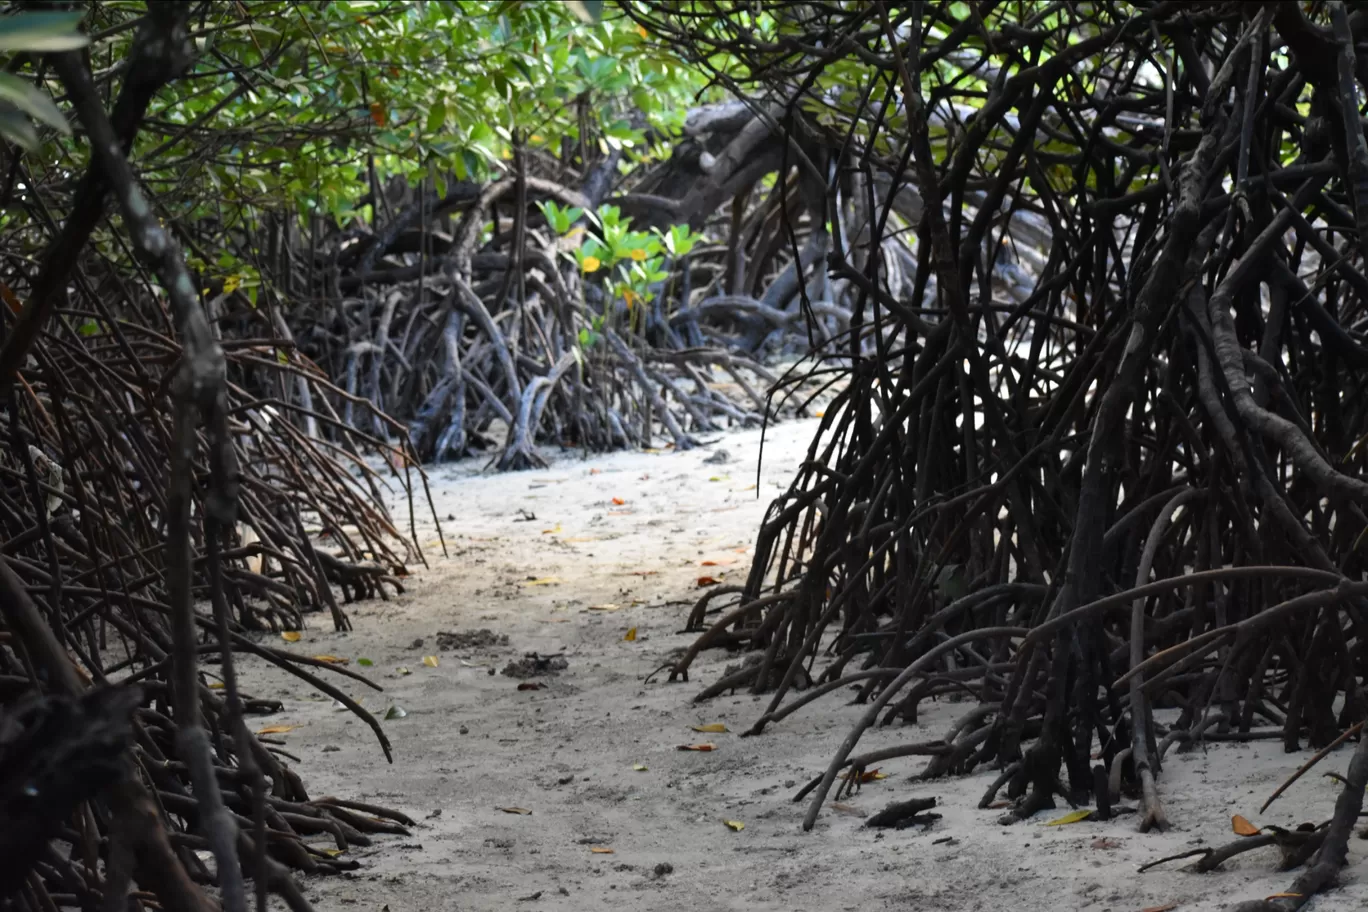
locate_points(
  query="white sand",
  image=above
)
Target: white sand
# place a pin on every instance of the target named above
(567, 752)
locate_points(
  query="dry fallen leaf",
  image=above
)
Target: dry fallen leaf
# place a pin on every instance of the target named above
(711, 728)
(1072, 817)
(512, 810)
(542, 581)
(704, 581)
(706, 746)
(276, 729)
(618, 501)
(1283, 896)
(866, 776)
(735, 826)
(606, 606)
(847, 809)
(332, 659)
(216, 685)
(631, 636)
(1168, 908)
(430, 661)
(531, 685)
(551, 531)
(1242, 827)
(290, 636)
(600, 850)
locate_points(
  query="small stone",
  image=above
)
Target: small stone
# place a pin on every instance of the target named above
(418, 643)
(464, 730)
(663, 869)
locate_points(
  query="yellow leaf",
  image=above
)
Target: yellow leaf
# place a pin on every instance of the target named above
(606, 606)
(639, 767)
(711, 728)
(430, 661)
(706, 746)
(513, 810)
(216, 685)
(735, 826)
(638, 254)
(631, 636)
(332, 659)
(290, 636)
(591, 264)
(231, 283)
(535, 138)
(276, 729)
(1242, 827)
(641, 30)
(600, 850)
(1073, 817)
(551, 531)
(403, 670)
(820, 413)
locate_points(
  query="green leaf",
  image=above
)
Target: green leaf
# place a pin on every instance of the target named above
(42, 31)
(587, 10)
(19, 130)
(89, 328)
(32, 101)
(367, 663)
(436, 118)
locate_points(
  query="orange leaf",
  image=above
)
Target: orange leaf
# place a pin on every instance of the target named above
(618, 501)
(377, 112)
(290, 636)
(704, 581)
(10, 298)
(596, 471)
(600, 850)
(1242, 827)
(332, 660)
(276, 729)
(704, 747)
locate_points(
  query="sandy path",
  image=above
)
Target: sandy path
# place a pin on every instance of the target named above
(472, 743)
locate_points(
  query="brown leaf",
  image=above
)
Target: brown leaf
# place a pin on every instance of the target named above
(706, 746)
(631, 636)
(846, 809)
(531, 685)
(1168, 908)
(601, 850)
(377, 113)
(1242, 827)
(705, 581)
(513, 810)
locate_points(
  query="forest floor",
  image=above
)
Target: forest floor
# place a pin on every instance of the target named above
(593, 756)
